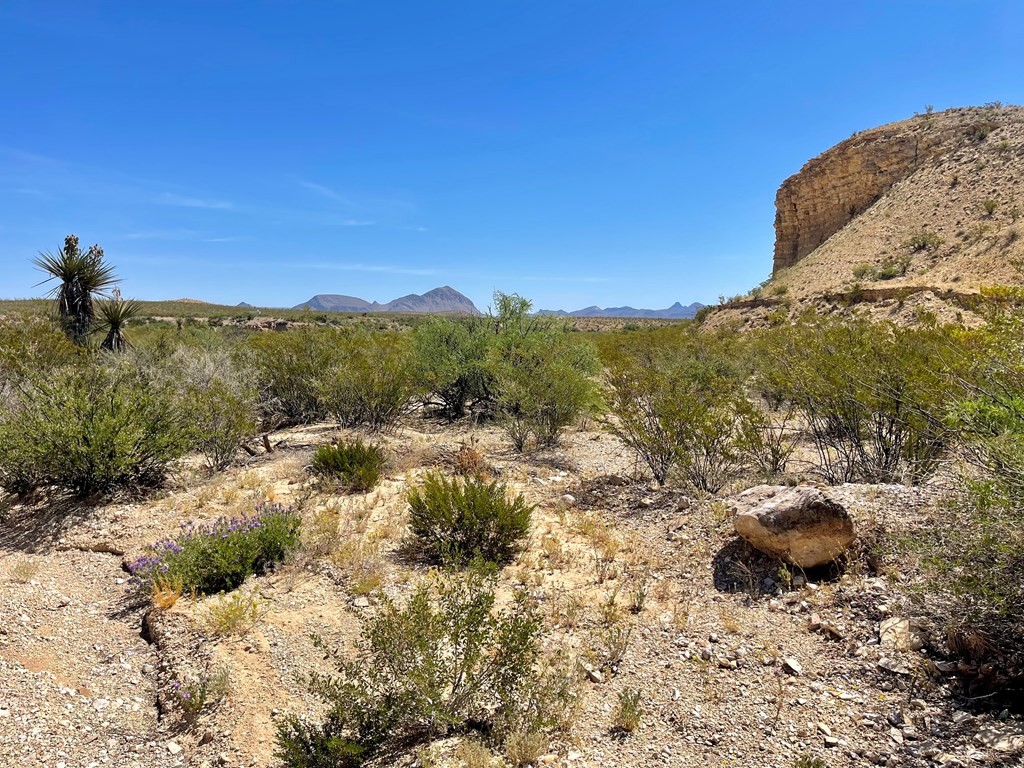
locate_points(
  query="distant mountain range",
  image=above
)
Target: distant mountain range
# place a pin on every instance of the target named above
(442, 300)
(676, 311)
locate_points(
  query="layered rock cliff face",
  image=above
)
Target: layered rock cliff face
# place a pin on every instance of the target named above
(834, 188)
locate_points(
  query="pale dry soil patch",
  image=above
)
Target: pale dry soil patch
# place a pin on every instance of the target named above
(724, 646)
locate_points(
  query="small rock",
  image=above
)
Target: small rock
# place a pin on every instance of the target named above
(568, 499)
(792, 666)
(173, 747)
(831, 742)
(1002, 738)
(361, 602)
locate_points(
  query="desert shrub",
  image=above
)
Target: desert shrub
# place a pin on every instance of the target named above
(542, 374)
(923, 241)
(288, 366)
(215, 392)
(234, 614)
(872, 396)
(355, 465)
(975, 554)
(32, 345)
(199, 695)
(679, 407)
(451, 363)
(444, 662)
(371, 384)
(628, 713)
(88, 429)
(457, 521)
(219, 556)
(989, 205)
(523, 748)
(220, 420)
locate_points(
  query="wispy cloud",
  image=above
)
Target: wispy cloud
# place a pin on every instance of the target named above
(159, 234)
(379, 268)
(184, 201)
(355, 223)
(324, 191)
(229, 239)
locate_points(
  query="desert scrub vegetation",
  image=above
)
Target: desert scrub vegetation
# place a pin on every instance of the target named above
(371, 382)
(354, 465)
(89, 428)
(450, 356)
(461, 520)
(974, 556)
(889, 269)
(444, 663)
(543, 375)
(219, 556)
(680, 406)
(873, 397)
(923, 240)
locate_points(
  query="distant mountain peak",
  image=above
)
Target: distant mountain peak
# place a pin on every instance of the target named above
(441, 300)
(676, 311)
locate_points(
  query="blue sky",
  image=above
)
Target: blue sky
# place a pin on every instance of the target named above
(574, 152)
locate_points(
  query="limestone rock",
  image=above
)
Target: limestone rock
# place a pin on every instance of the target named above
(800, 525)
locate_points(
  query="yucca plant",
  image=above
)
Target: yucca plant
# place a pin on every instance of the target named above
(81, 275)
(114, 316)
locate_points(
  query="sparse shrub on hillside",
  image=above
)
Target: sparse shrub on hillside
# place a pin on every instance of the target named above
(451, 363)
(542, 375)
(219, 556)
(887, 270)
(355, 465)
(981, 130)
(923, 241)
(873, 396)
(989, 205)
(89, 428)
(456, 522)
(443, 663)
(371, 383)
(628, 713)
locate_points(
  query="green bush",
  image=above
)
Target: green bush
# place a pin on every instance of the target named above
(451, 363)
(371, 384)
(542, 374)
(89, 429)
(220, 420)
(680, 407)
(355, 465)
(923, 241)
(288, 366)
(442, 664)
(873, 396)
(219, 556)
(458, 521)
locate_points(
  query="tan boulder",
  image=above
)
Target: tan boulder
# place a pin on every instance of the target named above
(800, 525)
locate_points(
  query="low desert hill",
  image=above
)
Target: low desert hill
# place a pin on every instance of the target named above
(676, 312)
(443, 300)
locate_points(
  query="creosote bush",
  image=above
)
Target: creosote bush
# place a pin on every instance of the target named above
(89, 428)
(443, 663)
(219, 556)
(457, 521)
(354, 465)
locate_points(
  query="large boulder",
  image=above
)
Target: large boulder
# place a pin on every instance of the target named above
(800, 525)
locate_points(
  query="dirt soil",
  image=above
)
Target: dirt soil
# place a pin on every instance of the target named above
(738, 662)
